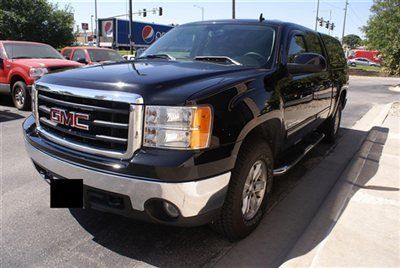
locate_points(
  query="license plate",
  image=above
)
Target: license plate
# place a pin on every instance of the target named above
(66, 193)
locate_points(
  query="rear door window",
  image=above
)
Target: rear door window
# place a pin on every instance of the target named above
(335, 51)
(78, 54)
(313, 43)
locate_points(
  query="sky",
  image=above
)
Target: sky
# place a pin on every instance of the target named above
(179, 11)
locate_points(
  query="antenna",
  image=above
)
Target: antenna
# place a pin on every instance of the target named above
(261, 17)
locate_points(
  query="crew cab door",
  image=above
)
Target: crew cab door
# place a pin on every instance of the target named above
(297, 92)
(306, 96)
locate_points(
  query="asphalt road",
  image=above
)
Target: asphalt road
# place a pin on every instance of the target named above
(32, 234)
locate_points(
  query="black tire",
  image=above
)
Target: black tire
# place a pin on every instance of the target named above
(332, 127)
(231, 222)
(21, 96)
(353, 64)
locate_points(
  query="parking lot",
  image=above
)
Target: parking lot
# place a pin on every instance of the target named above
(35, 235)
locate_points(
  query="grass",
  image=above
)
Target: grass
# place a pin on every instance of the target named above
(366, 68)
(124, 52)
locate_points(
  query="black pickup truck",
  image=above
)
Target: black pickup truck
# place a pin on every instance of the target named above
(195, 129)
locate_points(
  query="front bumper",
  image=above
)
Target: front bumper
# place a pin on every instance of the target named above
(194, 199)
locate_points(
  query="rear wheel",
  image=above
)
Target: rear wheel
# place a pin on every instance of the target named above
(20, 96)
(248, 191)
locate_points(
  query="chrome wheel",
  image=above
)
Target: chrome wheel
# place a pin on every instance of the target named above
(254, 189)
(19, 96)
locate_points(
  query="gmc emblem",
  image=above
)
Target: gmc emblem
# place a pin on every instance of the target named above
(64, 117)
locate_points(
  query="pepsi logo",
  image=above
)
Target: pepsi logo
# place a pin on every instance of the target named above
(148, 34)
(108, 28)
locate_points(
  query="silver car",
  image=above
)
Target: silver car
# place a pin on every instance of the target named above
(362, 61)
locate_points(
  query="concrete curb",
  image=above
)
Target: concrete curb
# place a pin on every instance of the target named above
(338, 198)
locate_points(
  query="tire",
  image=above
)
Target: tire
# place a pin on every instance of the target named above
(332, 127)
(236, 220)
(353, 64)
(21, 96)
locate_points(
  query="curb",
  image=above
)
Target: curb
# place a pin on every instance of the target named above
(338, 198)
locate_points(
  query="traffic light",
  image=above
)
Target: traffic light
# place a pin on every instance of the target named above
(144, 12)
(321, 22)
(327, 24)
(160, 11)
(332, 26)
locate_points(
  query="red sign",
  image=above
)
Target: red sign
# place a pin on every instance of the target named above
(85, 26)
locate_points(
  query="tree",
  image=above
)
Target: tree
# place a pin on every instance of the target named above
(383, 32)
(352, 40)
(36, 20)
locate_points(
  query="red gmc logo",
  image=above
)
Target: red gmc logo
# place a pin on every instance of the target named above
(64, 117)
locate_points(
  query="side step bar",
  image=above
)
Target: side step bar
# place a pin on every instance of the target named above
(285, 168)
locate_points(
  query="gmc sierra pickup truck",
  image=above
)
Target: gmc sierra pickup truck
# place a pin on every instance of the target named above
(195, 129)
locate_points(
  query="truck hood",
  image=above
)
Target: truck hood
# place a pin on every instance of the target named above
(47, 63)
(157, 81)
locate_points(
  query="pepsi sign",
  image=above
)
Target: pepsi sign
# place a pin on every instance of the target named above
(149, 34)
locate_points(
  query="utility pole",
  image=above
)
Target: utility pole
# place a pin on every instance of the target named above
(233, 9)
(344, 20)
(202, 11)
(316, 18)
(330, 20)
(130, 28)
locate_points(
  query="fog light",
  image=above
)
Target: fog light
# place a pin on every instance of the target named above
(171, 210)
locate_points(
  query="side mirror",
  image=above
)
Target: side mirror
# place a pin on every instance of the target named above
(82, 60)
(1, 63)
(307, 63)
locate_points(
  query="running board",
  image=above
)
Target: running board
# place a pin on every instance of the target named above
(285, 168)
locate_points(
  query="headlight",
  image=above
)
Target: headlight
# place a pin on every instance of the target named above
(177, 127)
(37, 72)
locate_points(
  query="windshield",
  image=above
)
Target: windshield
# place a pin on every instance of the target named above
(249, 45)
(31, 51)
(97, 55)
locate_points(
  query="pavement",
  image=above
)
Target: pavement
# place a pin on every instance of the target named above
(358, 224)
(32, 234)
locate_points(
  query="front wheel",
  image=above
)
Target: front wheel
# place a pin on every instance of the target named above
(20, 96)
(332, 126)
(248, 191)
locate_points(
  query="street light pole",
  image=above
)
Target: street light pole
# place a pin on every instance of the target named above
(91, 24)
(330, 20)
(95, 21)
(316, 18)
(233, 9)
(202, 11)
(130, 28)
(344, 20)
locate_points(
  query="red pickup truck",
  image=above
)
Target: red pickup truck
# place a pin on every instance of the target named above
(21, 63)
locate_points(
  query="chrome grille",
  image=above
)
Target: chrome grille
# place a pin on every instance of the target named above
(114, 123)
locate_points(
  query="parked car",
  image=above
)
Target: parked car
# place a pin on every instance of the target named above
(195, 129)
(362, 61)
(21, 63)
(91, 55)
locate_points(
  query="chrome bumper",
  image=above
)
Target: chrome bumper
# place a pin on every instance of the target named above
(191, 198)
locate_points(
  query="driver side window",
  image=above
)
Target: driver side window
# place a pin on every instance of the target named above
(297, 46)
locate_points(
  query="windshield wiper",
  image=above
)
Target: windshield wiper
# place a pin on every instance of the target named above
(21, 57)
(217, 59)
(157, 56)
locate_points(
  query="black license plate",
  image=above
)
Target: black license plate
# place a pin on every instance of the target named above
(66, 193)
